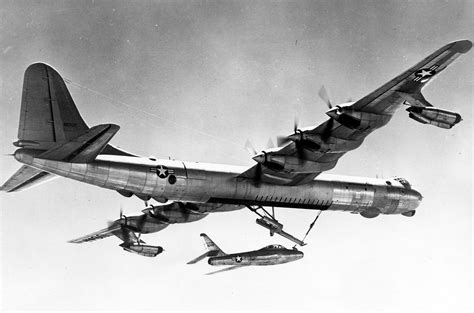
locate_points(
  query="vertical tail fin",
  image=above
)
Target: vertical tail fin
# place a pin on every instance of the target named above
(211, 246)
(212, 250)
(48, 113)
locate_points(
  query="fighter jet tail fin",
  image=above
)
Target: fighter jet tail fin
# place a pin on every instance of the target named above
(213, 249)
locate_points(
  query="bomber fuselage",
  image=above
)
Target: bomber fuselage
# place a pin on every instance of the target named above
(219, 186)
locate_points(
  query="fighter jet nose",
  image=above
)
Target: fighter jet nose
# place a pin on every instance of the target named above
(299, 255)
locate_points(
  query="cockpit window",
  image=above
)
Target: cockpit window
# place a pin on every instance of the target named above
(404, 182)
(274, 247)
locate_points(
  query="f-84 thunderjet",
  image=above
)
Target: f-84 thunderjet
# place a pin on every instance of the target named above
(269, 255)
(54, 140)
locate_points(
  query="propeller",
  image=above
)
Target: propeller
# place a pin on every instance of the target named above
(330, 123)
(270, 144)
(258, 167)
(283, 140)
(323, 94)
(122, 217)
(250, 148)
(141, 221)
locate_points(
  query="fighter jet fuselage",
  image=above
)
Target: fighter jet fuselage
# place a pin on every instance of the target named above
(270, 255)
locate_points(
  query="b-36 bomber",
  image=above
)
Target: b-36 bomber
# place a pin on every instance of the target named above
(53, 140)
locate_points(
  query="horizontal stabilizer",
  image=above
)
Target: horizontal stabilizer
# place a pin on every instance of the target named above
(199, 258)
(84, 148)
(26, 177)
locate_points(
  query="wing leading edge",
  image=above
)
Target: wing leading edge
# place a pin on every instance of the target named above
(115, 229)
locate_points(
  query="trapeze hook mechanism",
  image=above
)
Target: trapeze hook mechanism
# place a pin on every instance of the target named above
(268, 221)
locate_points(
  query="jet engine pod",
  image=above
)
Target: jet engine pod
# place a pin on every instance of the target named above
(144, 250)
(434, 116)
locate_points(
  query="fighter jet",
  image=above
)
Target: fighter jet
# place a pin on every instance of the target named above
(269, 255)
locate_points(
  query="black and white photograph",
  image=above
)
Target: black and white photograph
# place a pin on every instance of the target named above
(236, 156)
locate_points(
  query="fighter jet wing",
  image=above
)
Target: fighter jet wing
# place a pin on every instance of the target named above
(331, 140)
(125, 234)
(226, 269)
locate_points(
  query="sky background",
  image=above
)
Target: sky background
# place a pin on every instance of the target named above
(195, 80)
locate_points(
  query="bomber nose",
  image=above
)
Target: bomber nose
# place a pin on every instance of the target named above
(417, 195)
(416, 198)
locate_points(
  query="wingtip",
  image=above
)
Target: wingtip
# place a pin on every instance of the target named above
(462, 46)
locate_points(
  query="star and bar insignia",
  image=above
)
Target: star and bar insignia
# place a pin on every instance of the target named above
(425, 74)
(161, 171)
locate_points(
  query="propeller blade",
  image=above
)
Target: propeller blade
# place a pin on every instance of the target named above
(324, 96)
(327, 131)
(270, 144)
(258, 174)
(249, 147)
(141, 221)
(295, 124)
(281, 141)
(300, 151)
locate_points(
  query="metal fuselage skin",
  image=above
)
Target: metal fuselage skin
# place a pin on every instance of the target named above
(258, 257)
(218, 185)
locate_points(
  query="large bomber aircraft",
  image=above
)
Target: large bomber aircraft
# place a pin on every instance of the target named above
(53, 140)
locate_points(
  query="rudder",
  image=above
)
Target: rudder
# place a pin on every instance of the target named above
(48, 113)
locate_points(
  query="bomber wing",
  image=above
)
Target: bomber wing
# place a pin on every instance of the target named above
(312, 151)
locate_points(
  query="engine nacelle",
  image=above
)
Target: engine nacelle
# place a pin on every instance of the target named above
(179, 212)
(434, 116)
(143, 250)
(359, 120)
(279, 162)
(316, 142)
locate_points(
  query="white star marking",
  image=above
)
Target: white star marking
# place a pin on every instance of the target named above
(162, 172)
(425, 73)
(238, 259)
